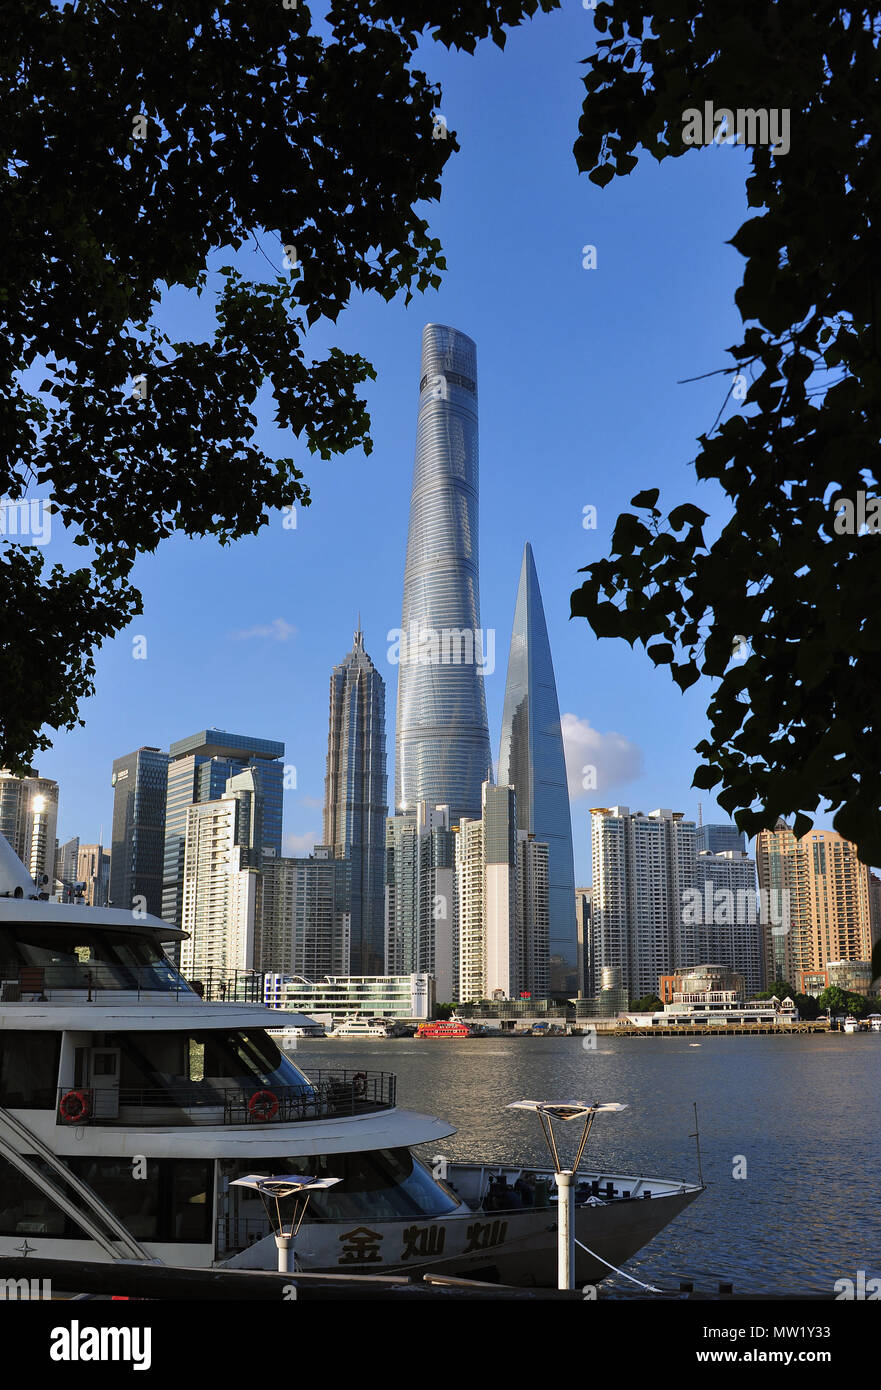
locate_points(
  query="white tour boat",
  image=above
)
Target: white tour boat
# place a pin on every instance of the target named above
(129, 1107)
(356, 1026)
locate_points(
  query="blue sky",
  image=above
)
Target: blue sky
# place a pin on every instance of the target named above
(579, 405)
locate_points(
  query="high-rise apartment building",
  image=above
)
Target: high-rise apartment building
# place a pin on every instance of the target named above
(220, 892)
(532, 761)
(355, 806)
(93, 869)
(829, 914)
(533, 915)
(724, 918)
(442, 752)
(28, 819)
(642, 867)
(138, 833)
(503, 904)
(304, 927)
(199, 769)
(421, 908)
(587, 981)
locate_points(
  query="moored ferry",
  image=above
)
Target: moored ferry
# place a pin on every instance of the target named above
(129, 1106)
(439, 1028)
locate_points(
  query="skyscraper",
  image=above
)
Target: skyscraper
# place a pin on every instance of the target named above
(827, 916)
(28, 816)
(220, 891)
(421, 922)
(716, 839)
(199, 769)
(93, 869)
(442, 750)
(355, 806)
(304, 922)
(531, 760)
(138, 835)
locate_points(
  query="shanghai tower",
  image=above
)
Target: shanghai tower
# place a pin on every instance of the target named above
(442, 752)
(531, 760)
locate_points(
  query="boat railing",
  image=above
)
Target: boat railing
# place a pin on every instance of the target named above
(25, 983)
(329, 1095)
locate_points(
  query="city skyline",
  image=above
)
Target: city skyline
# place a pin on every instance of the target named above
(244, 635)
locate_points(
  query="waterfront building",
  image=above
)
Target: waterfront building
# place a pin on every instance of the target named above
(829, 900)
(28, 819)
(305, 925)
(139, 782)
(486, 882)
(221, 898)
(442, 750)
(875, 906)
(586, 980)
(533, 915)
(714, 995)
(199, 768)
(421, 906)
(66, 869)
(93, 869)
(355, 805)
(532, 761)
(396, 998)
(643, 866)
(724, 913)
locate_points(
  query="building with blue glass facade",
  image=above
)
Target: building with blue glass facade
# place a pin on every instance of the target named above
(531, 760)
(199, 769)
(139, 783)
(442, 751)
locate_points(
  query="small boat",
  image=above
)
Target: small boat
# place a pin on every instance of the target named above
(451, 1028)
(353, 1026)
(875, 1023)
(851, 1025)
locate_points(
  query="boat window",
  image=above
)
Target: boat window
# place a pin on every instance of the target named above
(166, 1199)
(210, 1059)
(29, 1069)
(24, 1209)
(380, 1184)
(72, 956)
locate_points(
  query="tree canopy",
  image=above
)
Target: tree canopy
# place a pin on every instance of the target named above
(785, 585)
(144, 146)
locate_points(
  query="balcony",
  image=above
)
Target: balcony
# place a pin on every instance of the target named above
(330, 1095)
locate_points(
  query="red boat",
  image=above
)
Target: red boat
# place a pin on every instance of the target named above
(439, 1029)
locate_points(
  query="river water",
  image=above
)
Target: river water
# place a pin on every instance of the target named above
(798, 1117)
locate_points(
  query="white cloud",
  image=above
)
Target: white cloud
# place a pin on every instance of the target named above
(279, 630)
(597, 764)
(300, 844)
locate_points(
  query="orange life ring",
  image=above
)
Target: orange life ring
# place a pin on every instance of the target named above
(75, 1106)
(263, 1105)
(359, 1083)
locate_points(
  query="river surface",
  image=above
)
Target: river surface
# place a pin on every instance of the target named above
(799, 1117)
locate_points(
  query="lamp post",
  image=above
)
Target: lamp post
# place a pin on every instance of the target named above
(565, 1177)
(288, 1185)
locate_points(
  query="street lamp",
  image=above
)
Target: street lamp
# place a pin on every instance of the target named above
(289, 1185)
(565, 1177)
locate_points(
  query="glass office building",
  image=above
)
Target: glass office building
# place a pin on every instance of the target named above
(355, 805)
(198, 770)
(136, 851)
(442, 750)
(531, 760)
